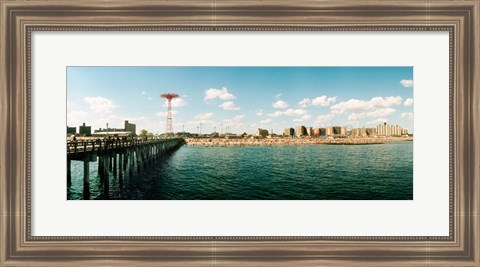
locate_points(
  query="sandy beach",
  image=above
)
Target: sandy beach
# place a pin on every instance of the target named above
(281, 141)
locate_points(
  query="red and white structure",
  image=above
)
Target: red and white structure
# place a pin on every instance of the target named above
(169, 97)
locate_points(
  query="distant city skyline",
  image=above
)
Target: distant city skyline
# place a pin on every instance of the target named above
(240, 98)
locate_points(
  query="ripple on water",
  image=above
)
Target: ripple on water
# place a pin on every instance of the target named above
(317, 172)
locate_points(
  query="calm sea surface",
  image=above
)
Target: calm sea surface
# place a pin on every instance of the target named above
(317, 172)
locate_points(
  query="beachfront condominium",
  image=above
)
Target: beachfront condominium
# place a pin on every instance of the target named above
(262, 132)
(84, 130)
(390, 130)
(289, 132)
(130, 127)
(301, 131)
(309, 131)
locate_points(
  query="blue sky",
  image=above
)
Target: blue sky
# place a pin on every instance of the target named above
(242, 98)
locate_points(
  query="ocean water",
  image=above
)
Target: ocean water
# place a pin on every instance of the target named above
(316, 172)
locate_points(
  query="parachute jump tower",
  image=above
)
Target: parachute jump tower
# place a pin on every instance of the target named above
(169, 127)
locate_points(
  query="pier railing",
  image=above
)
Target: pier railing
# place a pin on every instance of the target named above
(116, 157)
(77, 148)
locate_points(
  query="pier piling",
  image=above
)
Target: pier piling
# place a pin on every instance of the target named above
(69, 172)
(86, 179)
(116, 158)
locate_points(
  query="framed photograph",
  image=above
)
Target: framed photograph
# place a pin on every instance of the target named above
(245, 142)
(234, 133)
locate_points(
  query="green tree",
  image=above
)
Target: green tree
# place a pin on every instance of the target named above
(143, 133)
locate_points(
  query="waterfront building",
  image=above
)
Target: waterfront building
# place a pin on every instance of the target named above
(262, 132)
(329, 131)
(71, 130)
(323, 131)
(363, 132)
(379, 130)
(339, 130)
(289, 132)
(396, 130)
(301, 131)
(309, 131)
(371, 131)
(359, 132)
(85, 130)
(130, 127)
(387, 129)
(390, 130)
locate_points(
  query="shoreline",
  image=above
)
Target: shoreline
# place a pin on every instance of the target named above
(227, 142)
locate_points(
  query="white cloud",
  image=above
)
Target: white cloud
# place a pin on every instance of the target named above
(324, 118)
(355, 105)
(204, 116)
(235, 121)
(408, 102)
(407, 83)
(229, 106)
(305, 117)
(223, 94)
(280, 104)
(304, 103)
(149, 98)
(259, 112)
(288, 112)
(96, 120)
(356, 116)
(164, 114)
(76, 118)
(266, 121)
(141, 118)
(381, 112)
(377, 121)
(176, 102)
(238, 117)
(293, 112)
(276, 114)
(323, 101)
(144, 93)
(277, 96)
(198, 122)
(100, 104)
(407, 115)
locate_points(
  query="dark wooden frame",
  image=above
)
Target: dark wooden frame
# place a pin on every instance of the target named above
(19, 18)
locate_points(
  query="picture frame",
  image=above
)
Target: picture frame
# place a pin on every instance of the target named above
(20, 18)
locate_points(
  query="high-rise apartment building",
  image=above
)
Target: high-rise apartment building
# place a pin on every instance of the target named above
(301, 131)
(85, 130)
(289, 132)
(262, 132)
(309, 131)
(130, 127)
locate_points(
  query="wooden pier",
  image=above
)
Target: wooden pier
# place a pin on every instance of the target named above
(116, 157)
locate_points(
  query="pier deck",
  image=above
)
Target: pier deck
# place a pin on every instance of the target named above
(116, 158)
(81, 149)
